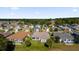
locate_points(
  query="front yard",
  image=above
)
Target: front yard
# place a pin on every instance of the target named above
(62, 47)
(36, 46)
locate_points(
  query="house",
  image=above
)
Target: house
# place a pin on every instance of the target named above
(17, 28)
(64, 37)
(75, 33)
(45, 29)
(26, 28)
(40, 36)
(5, 34)
(1, 28)
(18, 37)
(37, 28)
(5, 27)
(74, 26)
(53, 28)
(31, 26)
(65, 28)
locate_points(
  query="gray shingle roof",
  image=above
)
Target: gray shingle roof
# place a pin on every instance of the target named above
(41, 35)
(64, 35)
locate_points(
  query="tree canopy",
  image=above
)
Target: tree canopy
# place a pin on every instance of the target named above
(3, 43)
(48, 43)
(61, 21)
(57, 39)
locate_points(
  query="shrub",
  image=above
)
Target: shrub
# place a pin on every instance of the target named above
(48, 43)
(27, 43)
(57, 38)
(56, 29)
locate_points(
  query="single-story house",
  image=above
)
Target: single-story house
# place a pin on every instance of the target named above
(40, 36)
(74, 27)
(75, 34)
(5, 34)
(19, 36)
(45, 29)
(77, 27)
(64, 37)
(37, 28)
(65, 28)
(26, 29)
(31, 26)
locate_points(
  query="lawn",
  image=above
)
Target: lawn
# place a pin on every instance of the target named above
(62, 47)
(36, 46)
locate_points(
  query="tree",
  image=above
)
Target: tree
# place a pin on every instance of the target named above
(52, 34)
(61, 21)
(56, 29)
(57, 38)
(76, 40)
(51, 29)
(52, 38)
(27, 43)
(10, 46)
(21, 22)
(3, 43)
(48, 43)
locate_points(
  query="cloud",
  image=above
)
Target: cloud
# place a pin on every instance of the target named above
(14, 8)
(75, 10)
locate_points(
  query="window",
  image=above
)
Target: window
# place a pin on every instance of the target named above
(33, 37)
(37, 38)
(18, 40)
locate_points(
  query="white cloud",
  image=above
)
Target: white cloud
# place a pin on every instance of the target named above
(14, 8)
(75, 10)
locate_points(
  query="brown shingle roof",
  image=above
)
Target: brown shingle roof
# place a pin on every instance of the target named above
(18, 36)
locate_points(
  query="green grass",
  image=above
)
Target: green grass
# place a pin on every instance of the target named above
(63, 47)
(36, 46)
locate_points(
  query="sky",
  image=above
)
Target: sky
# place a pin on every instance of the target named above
(38, 12)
